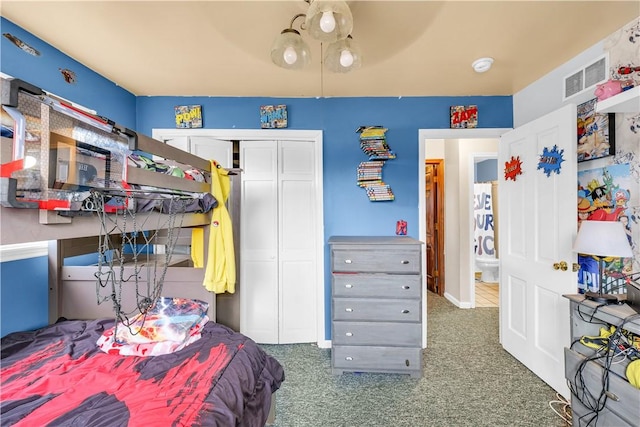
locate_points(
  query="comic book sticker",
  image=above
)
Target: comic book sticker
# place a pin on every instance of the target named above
(512, 168)
(551, 160)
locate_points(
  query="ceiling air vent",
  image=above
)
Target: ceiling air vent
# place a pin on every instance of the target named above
(586, 78)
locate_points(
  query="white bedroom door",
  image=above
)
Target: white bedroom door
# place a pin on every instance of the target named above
(278, 241)
(538, 226)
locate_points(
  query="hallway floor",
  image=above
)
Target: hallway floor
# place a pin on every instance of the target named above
(486, 294)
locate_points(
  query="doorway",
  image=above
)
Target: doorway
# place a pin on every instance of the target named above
(455, 147)
(484, 190)
(434, 238)
(311, 142)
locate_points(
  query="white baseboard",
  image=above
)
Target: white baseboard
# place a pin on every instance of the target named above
(324, 344)
(455, 302)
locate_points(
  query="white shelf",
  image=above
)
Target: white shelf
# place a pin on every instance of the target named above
(625, 102)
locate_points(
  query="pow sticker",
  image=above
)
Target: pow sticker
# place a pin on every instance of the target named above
(512, 168)
(551, 160)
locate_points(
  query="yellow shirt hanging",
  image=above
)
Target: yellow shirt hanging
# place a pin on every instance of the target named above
(220, 273)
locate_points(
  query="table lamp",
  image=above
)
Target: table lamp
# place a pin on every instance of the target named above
(602, 239)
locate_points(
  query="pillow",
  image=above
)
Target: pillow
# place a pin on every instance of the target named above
(169, 319)
(109, 346)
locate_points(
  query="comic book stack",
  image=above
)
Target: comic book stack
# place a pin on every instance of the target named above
(374, 144)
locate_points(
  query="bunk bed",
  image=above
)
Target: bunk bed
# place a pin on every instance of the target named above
(86, 172)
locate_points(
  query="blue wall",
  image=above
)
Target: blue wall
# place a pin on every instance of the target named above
(24, 294)
(487, 170)
(347, 210)
(90, 90)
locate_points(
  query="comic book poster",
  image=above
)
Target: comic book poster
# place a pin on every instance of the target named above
(273, 116)
(596, 132)
(188, 116)
(464, 117)
(604, 194)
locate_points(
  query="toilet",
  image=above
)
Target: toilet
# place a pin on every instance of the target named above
(489, 268)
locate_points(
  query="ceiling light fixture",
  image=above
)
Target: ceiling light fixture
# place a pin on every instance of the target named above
(327, 21)
(482, 65)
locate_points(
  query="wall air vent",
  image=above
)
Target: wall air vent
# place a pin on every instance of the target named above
(586, 78)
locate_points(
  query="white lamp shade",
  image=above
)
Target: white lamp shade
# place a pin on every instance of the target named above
(343, 56)
(329, 20)
(290, 51)
(603, 239)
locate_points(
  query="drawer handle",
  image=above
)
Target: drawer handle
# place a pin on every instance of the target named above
(406, 362)
(349, 334)
(348, 286)
(347, 261)
(348, 310)
(404, 262)
(406, 287)
(405, 311)
(349, 358)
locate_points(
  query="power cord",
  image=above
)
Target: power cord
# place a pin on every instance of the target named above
(614, 348)
(563, 410)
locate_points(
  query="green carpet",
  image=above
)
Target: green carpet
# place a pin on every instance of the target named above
(468, 380)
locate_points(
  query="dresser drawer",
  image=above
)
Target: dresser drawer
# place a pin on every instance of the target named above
(399, 310)
(377, 285)
(368, 260)
(376, 333)
(377, 359)
(624, 399)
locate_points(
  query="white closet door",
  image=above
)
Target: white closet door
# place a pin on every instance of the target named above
(210, 148)
(206, 147)
(259, 241)
(278, 243)
(181, 142)
(297, 245)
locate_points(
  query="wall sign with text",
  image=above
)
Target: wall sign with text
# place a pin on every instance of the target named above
(464, 116)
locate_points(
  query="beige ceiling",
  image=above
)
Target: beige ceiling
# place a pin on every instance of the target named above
(410, 48)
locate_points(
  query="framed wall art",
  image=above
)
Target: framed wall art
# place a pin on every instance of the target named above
(596, 132)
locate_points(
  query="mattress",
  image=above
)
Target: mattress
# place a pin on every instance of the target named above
(57, 376)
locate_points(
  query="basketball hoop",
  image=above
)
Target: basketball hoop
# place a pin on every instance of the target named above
(131, 250)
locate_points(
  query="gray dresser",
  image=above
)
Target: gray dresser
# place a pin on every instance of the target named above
(585, 372)
(376, 304)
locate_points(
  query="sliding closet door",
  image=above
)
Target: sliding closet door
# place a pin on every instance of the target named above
(278, 268)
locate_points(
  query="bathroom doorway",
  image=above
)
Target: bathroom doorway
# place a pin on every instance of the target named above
(485, 229)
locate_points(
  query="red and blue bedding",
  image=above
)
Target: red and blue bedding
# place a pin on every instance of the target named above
(57, 376)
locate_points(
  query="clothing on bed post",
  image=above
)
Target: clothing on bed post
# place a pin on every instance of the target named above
(220, 274)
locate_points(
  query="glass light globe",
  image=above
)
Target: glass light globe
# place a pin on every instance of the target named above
(327, 22)
(343, 56)
(290, 56)
(290, 51)
(346, 58)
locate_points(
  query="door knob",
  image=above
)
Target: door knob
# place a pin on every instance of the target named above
(562, 265)
(575, 266)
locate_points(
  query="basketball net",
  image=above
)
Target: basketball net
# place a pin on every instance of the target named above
(130, 248)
